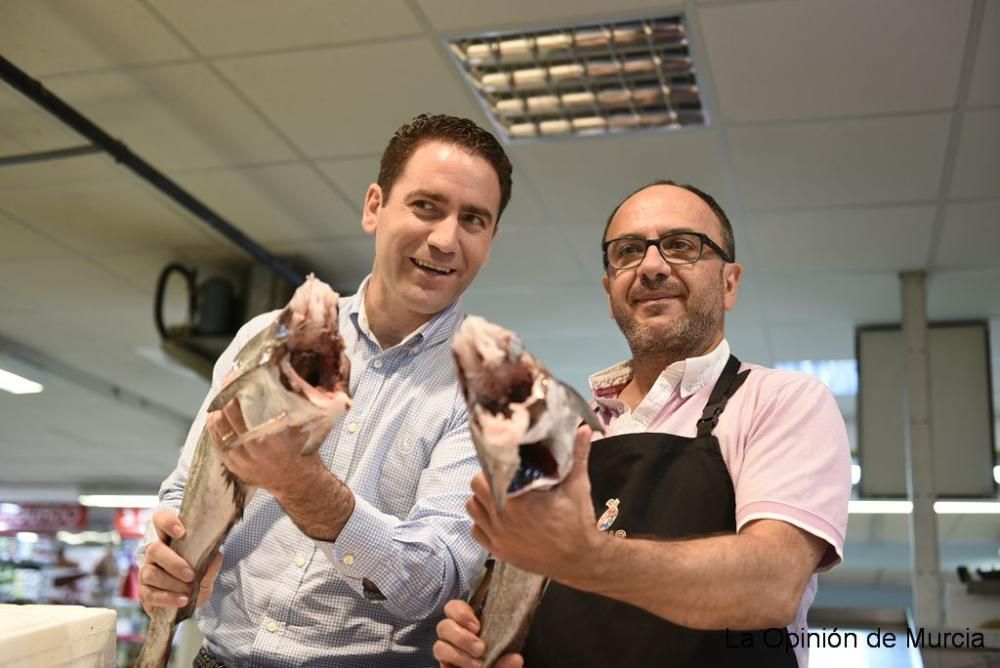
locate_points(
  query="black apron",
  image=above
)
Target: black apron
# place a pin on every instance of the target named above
(669, 487)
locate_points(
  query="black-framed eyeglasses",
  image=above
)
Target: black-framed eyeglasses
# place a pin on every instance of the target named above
(674, 247)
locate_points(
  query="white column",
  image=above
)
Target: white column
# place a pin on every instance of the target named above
(926, 577)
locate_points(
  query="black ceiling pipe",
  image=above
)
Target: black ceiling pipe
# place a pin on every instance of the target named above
(35, 91)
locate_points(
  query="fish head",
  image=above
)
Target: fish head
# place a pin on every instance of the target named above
(295, 373)
(522, 422)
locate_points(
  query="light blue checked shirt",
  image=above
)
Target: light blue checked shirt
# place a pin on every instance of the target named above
(404, 448)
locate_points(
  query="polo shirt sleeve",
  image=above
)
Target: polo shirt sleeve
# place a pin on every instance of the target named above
(796, 462)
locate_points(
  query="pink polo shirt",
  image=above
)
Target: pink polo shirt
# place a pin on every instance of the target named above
(782, 437)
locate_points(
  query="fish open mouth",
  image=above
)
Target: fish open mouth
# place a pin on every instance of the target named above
(536, 463)
(522, 426)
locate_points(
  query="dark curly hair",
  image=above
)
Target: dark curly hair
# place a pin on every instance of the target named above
(449, 129)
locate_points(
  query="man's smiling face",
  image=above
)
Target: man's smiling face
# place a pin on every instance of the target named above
(432, 231)
(663, 309)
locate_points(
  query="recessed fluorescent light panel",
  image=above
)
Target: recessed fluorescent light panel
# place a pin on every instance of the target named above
(593, 79)
(15, 384)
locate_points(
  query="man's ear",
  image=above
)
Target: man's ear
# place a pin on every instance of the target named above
(370, 209)
(606, 282)
(731, 274)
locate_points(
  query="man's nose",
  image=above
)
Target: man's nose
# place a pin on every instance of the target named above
(653, 264)
(444, 234)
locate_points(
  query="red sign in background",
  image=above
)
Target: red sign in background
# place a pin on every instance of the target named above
(131, 522)
(41, 517)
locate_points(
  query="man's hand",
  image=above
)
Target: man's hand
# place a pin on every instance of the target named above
(165, 579)
(541, 532)
(458, 644)
(274, 463)
(318, 502)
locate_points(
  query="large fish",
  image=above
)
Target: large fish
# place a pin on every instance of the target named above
(523, 424)
(293, 374)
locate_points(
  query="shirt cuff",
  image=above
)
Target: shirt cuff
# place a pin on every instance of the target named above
(365, 548)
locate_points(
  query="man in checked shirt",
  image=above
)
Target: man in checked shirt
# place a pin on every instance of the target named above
(345, 558)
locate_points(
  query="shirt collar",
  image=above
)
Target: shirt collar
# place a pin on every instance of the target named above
(437, 329)
(694, 373)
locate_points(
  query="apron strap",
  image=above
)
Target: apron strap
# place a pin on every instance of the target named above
(725, 388)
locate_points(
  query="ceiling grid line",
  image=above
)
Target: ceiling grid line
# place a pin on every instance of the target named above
(955, 128)
(209, 64)
(738, 211)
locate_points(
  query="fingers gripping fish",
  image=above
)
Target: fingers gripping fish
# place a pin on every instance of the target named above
(293, 374)
(523, 423)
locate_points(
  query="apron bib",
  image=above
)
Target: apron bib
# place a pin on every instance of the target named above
(669, 487)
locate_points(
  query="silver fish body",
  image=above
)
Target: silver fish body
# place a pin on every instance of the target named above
(292, 374)
(523, 423)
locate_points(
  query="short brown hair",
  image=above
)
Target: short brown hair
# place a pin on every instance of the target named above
(728, 242)
(449, 129)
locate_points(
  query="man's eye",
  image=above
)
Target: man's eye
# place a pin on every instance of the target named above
(680, 244)
(423, 205)
(629, 249)
(475, 220)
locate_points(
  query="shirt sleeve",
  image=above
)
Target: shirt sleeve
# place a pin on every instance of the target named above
(418, 563)
(797, 463)
(172, 489)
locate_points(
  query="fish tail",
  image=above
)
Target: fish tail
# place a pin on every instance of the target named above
(159, 638)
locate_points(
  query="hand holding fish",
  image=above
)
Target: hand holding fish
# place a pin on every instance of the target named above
(545, 532)
(459, 644)
(165, 579)
(274, 462)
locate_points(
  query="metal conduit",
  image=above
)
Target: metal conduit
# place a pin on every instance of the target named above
(37, 93)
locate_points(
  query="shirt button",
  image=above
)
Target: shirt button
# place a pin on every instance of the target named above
(353, 427)
(348, 559)
(300, 561)
(377, 364)
(272, 627)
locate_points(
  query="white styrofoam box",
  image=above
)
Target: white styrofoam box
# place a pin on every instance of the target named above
(53, 636)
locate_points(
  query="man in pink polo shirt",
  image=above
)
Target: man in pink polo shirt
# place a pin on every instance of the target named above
(723, 485)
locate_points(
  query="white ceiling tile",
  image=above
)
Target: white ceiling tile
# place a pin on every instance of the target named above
(63, 283)
(174, 117)
(261, 25)
(841, 239)
(524, 14)
(963, 294)
(984, 88)
(20, 242)
(352, 175)
(977, 166)
(812, 59)
(273, 203)
(49, 36)
(98, 167)
(107, 216)
(971, 235)
(843, 162)
(341, 262)
(580, 181)
(821, 296)
(320, 98)
(31, 127)
(530, 255)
